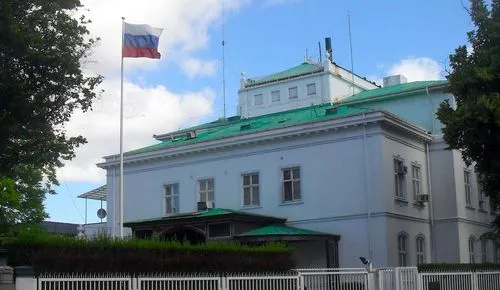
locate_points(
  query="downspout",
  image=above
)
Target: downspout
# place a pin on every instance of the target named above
(367, 191)
(113, 225)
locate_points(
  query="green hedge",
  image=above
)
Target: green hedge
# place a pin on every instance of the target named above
(445, 267)
(46, 253)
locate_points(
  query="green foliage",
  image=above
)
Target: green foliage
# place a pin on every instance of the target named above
(444, 267)
(133, 255)
(42, 46)
(473, 126)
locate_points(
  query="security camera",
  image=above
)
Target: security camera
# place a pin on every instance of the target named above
(364, 260)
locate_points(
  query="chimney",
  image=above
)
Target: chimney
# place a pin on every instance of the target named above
(328, 48)
(394, 80)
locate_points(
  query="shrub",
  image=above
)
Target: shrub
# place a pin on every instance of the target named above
(62, 254)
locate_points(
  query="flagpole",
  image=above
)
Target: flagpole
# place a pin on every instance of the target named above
(121, 134)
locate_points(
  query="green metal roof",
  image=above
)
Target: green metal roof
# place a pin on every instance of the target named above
(213, 212)
(235, 126)
(300, 70)
(390, 91)
(280, 230)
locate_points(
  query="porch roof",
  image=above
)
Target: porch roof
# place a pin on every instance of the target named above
(97, 193)
(207, 215)
(284, 233)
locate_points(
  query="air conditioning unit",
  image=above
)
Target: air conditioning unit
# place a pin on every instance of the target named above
(210, 204)
(191, 134)
(204, 205)
(423, 197)
(403, 169)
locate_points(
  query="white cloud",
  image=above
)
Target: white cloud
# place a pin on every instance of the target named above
(194, 67)
(417, 69)
(147, 110)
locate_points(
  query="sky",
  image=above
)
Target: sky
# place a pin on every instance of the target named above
(185, 87)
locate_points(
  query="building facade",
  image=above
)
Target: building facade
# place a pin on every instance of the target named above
(335, 174)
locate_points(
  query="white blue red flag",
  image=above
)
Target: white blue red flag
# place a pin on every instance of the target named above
(141, 40)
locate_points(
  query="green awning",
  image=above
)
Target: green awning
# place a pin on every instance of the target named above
(284, 233)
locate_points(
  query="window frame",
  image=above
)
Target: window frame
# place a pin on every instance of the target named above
(261, 95)
(296, 89)
(402, 240)
(470, 244)
(174, 198)
(207, 190)
(420, 249)
(293, 180)
(209, 234)
(311, 85)
(467, 187)
(273, 100)
(484, 250)
(399, 178)
(417, 181)
(251, 186)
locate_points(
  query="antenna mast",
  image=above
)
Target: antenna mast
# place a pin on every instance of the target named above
(223, 58)
(350, 44)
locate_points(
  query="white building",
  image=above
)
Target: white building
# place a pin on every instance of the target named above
(367, 176)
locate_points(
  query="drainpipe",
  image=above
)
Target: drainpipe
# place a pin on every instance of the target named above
(367, 191)
(431, 210)
(113, 225)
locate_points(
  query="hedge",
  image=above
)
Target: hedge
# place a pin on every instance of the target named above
(59, 254)
(450, 267)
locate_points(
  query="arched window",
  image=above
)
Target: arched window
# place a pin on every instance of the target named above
(420, 249)
(472, 240)
(484, 250)
(403, 249)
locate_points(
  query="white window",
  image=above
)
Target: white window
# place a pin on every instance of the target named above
(467, 187)
(275, 96)
(481, 197)
(484, 250)
(420, 247)
(291, 184)
(258, 100)
(206, 190)
(403, 249)
(416, 176)
(471, 250)
(399, 178)
(171, 198)
(251, 189)
(293, 93)
(311, 89)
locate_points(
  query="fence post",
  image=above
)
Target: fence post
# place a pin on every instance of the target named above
(397, 279)
(475, 285)
(301, 282)
(25, 278)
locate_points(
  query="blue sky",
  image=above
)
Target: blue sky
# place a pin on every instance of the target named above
(184, 88)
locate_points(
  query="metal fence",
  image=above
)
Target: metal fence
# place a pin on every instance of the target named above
(460, 281)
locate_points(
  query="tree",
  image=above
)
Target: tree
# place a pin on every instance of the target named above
(42, 49)
(473, 126)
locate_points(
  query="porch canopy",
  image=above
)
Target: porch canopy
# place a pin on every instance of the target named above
(278, 232)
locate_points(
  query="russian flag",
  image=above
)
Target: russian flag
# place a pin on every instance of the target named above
(141, 40)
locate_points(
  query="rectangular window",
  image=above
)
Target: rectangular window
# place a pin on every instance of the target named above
(258, 100)
(402, 250)
(293, 93)
(481, 197)
(399, 178)
(206, 190)
(251, 190)
(416, 176)
(311, 89)
(219, 230)
(420, 243)
(171, 192)
(467, 187)
(471, 250)
(291, 184)
(275, 96)
(484, 251)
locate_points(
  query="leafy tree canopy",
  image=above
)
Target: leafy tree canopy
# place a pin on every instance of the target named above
(473, 126)
(42, 48)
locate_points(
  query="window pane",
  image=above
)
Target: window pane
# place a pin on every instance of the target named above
(203, 196)
(211, 196)
(287, 188)
(258, 100)
(168, 205)
(168, 190)
(203, 185)
(246, 196)
(246, 180)
(175, 204)
(296, 190)
(255, 196)
(210, 184)
(275, 96)
(292, 93)
(296, 173)
(286, 174)
(311, 89)
(219, 230)
(255, 179)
